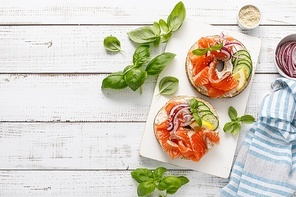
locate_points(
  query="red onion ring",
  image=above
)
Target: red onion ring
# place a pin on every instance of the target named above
(228, 44)
(173, 113)
(174, 121)
(226, 52)
(285, 56)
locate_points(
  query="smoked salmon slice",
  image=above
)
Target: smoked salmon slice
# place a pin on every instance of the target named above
(215, 86)
(227, 82)
(199, 62)
(202, 77)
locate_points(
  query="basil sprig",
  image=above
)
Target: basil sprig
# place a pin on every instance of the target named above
(193, 109)
(162, 30)
(149, 180)
(134, 76)
(235, 125)
(202, 51)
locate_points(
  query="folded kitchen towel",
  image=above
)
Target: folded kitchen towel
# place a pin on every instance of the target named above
(266, 162)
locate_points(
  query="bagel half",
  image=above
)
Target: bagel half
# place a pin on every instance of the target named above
(179, 133)
(228, 66)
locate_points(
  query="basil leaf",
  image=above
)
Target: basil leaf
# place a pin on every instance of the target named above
(232, 113)
(177, 16)
(228, 127)
(216, 47)
(156, 42)
(197, 119)
(159, 172)
(135, 78)
(112, 44)
(141, 55)
(114, 81)
(164, 26)
(193, 103)
(236, 128)
(145, 188)
(157, 64)
(184, 180)
(165, 37)
(203, 51)
(200, 52)
(170, 184)
(128, 68)
(168, 85)
(143, 35)
(142, 175)
(247, 119)
(157, 29)
(172, 190)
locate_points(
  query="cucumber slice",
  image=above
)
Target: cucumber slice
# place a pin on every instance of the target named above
(245, 61)
(245, 66)
(242, 52)
(203, 107)
(212, 119)
(240, 55)
(204, 112)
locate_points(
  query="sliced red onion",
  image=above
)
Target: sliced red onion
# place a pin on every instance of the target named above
(173, 112)
(176, 108)
(187, 120)
(176, 121)
(226, 51)
(231, 44)
(285, 56)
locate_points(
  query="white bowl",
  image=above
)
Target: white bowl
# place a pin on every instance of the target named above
(291, 37)
(248, 17)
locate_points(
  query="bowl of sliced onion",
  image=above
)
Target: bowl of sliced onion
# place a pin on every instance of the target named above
(285, 56)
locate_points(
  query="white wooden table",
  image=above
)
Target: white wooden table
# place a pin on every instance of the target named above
(60, 134)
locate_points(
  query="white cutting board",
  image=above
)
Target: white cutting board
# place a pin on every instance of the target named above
(217, 161)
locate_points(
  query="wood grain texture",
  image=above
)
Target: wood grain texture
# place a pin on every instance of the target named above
(76, 146)
(93, 183)
(69, 98)
(133, 12)
(79, 49)
(60, 134)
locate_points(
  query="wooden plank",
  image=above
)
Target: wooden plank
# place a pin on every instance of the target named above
(79, 97)
(68, 146)
(132, 12)
(79, 49)
(71, 146)
(94, 183)
(70, 98)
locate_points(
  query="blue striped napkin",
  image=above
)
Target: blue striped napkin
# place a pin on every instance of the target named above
(266, 162)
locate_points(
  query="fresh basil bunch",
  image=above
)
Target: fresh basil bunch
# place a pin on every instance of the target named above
(149, 180)
(162, 30)
(235, 125)
(134, 76)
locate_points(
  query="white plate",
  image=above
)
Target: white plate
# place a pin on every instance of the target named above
(219, 160)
